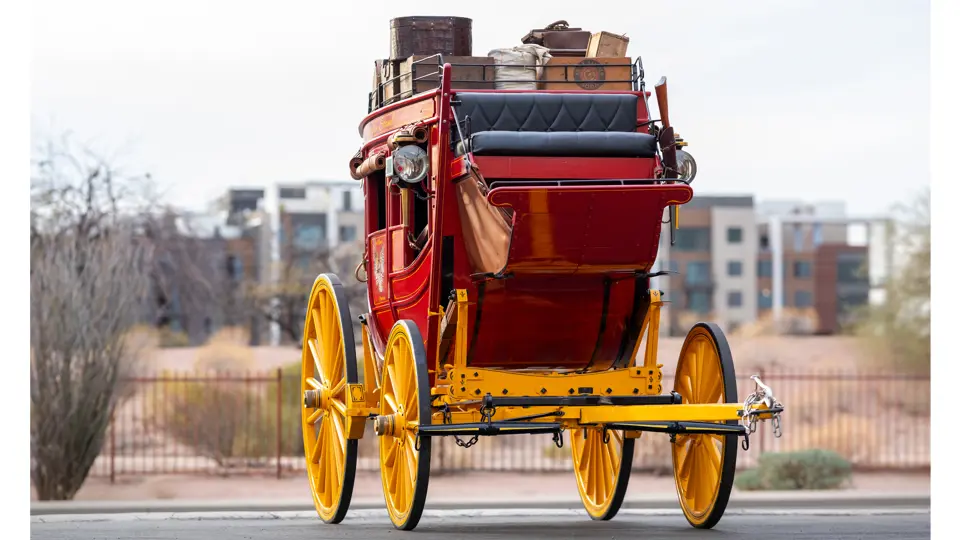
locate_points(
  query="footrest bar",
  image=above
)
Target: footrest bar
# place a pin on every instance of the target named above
(681, 427)
(484, 428)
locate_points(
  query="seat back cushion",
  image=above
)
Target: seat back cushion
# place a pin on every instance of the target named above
(542, 112)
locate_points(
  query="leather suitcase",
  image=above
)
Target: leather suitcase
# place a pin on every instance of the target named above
(558, 35)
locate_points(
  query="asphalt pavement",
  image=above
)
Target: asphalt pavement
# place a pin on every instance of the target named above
(490, 524)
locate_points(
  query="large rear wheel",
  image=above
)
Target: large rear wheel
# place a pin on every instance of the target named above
(329, 364)
(602, 464)
(704, 465)
(404, 406)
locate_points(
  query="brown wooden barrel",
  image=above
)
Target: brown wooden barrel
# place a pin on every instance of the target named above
(410, 36)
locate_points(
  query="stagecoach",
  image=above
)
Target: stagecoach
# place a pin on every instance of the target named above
(510, 241)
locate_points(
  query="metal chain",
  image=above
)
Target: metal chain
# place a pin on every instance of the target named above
(763, 395)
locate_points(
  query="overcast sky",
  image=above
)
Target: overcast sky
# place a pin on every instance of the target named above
(799, 99)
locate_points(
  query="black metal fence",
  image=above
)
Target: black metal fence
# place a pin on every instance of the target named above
(188, 423)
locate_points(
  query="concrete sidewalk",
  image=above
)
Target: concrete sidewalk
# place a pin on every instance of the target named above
(458, 491)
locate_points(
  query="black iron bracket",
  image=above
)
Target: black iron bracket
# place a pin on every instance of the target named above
(488, 429)
(676, 428)
(672, 398)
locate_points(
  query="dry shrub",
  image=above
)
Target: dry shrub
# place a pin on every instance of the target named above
(227, 350)
(212, 417)
(173, 338)
(853, 437)
(793, 321)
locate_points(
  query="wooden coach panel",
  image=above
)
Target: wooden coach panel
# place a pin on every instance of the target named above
(381, 122)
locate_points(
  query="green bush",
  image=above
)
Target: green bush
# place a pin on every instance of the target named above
(807, 469)
(748, 480)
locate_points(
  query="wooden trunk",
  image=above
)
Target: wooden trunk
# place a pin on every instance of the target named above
(410, 36)
(607, 45)
(587, 74)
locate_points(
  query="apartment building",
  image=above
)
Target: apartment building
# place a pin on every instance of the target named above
(728, 250)
(713, 254)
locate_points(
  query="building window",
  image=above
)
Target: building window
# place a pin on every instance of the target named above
(851, 270)
(802, 299)
(765, 299)
(293, 193)
(802, 269)
(734, 235)
(309, 236)
(698, 301)
(692, 239)
(234, 267)
(698, 273)
(764, 242)
(764, 268)
(817, 234)
(674, 267)
(734, 268)
(734, 299)
(797, 237)
(347, 202)
(348, 233)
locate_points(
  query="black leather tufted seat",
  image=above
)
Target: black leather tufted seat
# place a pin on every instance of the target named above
(556, 125)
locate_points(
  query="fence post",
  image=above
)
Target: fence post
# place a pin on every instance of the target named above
(113, 446)
(279, 419)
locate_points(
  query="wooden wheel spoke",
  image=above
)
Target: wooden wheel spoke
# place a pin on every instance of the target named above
(317, 363)
(315, 384)
(337, 388)
(394, 469)
(339, 433)
(318, 446)
(315, 416)
(398, 388)
(698, 382)
(316, 318)
(585, 453)
(338, 406)
(391, 402)
(714, 389)
(686, 387)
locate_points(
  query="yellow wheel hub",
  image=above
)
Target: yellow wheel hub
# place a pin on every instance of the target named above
(328, 365)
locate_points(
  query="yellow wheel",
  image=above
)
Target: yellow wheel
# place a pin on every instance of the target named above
(602, 469)
(329, 363)
(704, 465)
(404, 406)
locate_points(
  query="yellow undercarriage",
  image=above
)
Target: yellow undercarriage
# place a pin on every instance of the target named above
(461, 389)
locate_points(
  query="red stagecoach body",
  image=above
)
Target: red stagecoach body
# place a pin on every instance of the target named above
(510, 238)
(575, 174)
